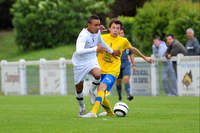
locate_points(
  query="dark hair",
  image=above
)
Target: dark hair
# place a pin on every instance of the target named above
(116, 21)
(156, 37)
(93, 17)
(170, 35)
(122, 28)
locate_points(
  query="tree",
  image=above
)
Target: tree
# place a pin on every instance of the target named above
(49, 23)
(161, 17)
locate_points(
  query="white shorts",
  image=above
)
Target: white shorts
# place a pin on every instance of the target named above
(80, 71)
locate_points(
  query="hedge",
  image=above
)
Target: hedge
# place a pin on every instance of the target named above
(160, 17)
(49, 23)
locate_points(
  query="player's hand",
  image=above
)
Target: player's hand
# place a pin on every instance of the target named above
(148, 59)
(134, 68)
(102, 28)
(116, 53)
(100, 49)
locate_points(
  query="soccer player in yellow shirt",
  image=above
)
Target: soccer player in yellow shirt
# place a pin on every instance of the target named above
(110, 66)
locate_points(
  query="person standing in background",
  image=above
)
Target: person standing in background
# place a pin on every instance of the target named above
(174, 48)
(159, 49)
(192, 45)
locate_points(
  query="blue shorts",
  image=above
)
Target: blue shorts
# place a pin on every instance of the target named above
(109, 80)
(125, 70)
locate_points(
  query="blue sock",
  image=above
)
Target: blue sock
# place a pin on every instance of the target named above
(127, 87)
(119, 91)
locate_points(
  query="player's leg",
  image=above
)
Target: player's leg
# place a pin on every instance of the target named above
(106, 104)
(119, 89)
(126, 78)
(106, 84)
(96, 73)
(79, 74)
(99, 99)
(119, 86)
(79, 97)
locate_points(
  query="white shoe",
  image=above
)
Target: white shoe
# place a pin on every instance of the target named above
(89, 115)
(93, 93)
(103, 114)
(82, 110)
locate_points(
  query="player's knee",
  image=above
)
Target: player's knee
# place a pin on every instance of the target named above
(97, 76)
(79, 87)
(126, 79)
(102, 87)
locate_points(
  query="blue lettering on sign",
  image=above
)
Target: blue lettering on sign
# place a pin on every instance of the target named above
(141, 72)
(140, 80)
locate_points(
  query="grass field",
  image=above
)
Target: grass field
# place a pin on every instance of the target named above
(58, 114)
(9, 50)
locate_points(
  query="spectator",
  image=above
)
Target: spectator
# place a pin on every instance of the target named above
(174, 48)
(159, 49)
(192, 45)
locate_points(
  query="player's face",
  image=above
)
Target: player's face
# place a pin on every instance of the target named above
(114, 30)
(121, 33)
(169, 40)
(94, 26)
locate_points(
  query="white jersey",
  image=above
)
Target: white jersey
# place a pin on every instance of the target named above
(84, 58)
(86, 46)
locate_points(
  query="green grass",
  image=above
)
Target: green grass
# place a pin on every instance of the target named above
(58, 114)
(9, 50)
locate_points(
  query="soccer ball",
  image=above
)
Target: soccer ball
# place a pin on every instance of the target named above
(120, 109)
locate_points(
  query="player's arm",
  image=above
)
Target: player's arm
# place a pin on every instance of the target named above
(136, 51)
(102, 43)
(80, 46)
(132, 58)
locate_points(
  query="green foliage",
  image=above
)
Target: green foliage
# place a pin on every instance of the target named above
(187, 17)
(160, 17)
(127, 25)
(46, 24)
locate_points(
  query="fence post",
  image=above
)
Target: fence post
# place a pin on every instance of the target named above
(178, 61)
(42, 63)
(63, 80)
(154, 80)
(22, 69)
(3, 62)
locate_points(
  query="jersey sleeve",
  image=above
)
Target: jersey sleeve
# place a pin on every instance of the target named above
(127, 44)
(103, 43)
(80, 45)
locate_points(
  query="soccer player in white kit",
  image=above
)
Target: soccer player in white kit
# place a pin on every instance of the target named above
(85, 59)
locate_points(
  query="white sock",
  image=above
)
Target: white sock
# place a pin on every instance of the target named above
(95, 84)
